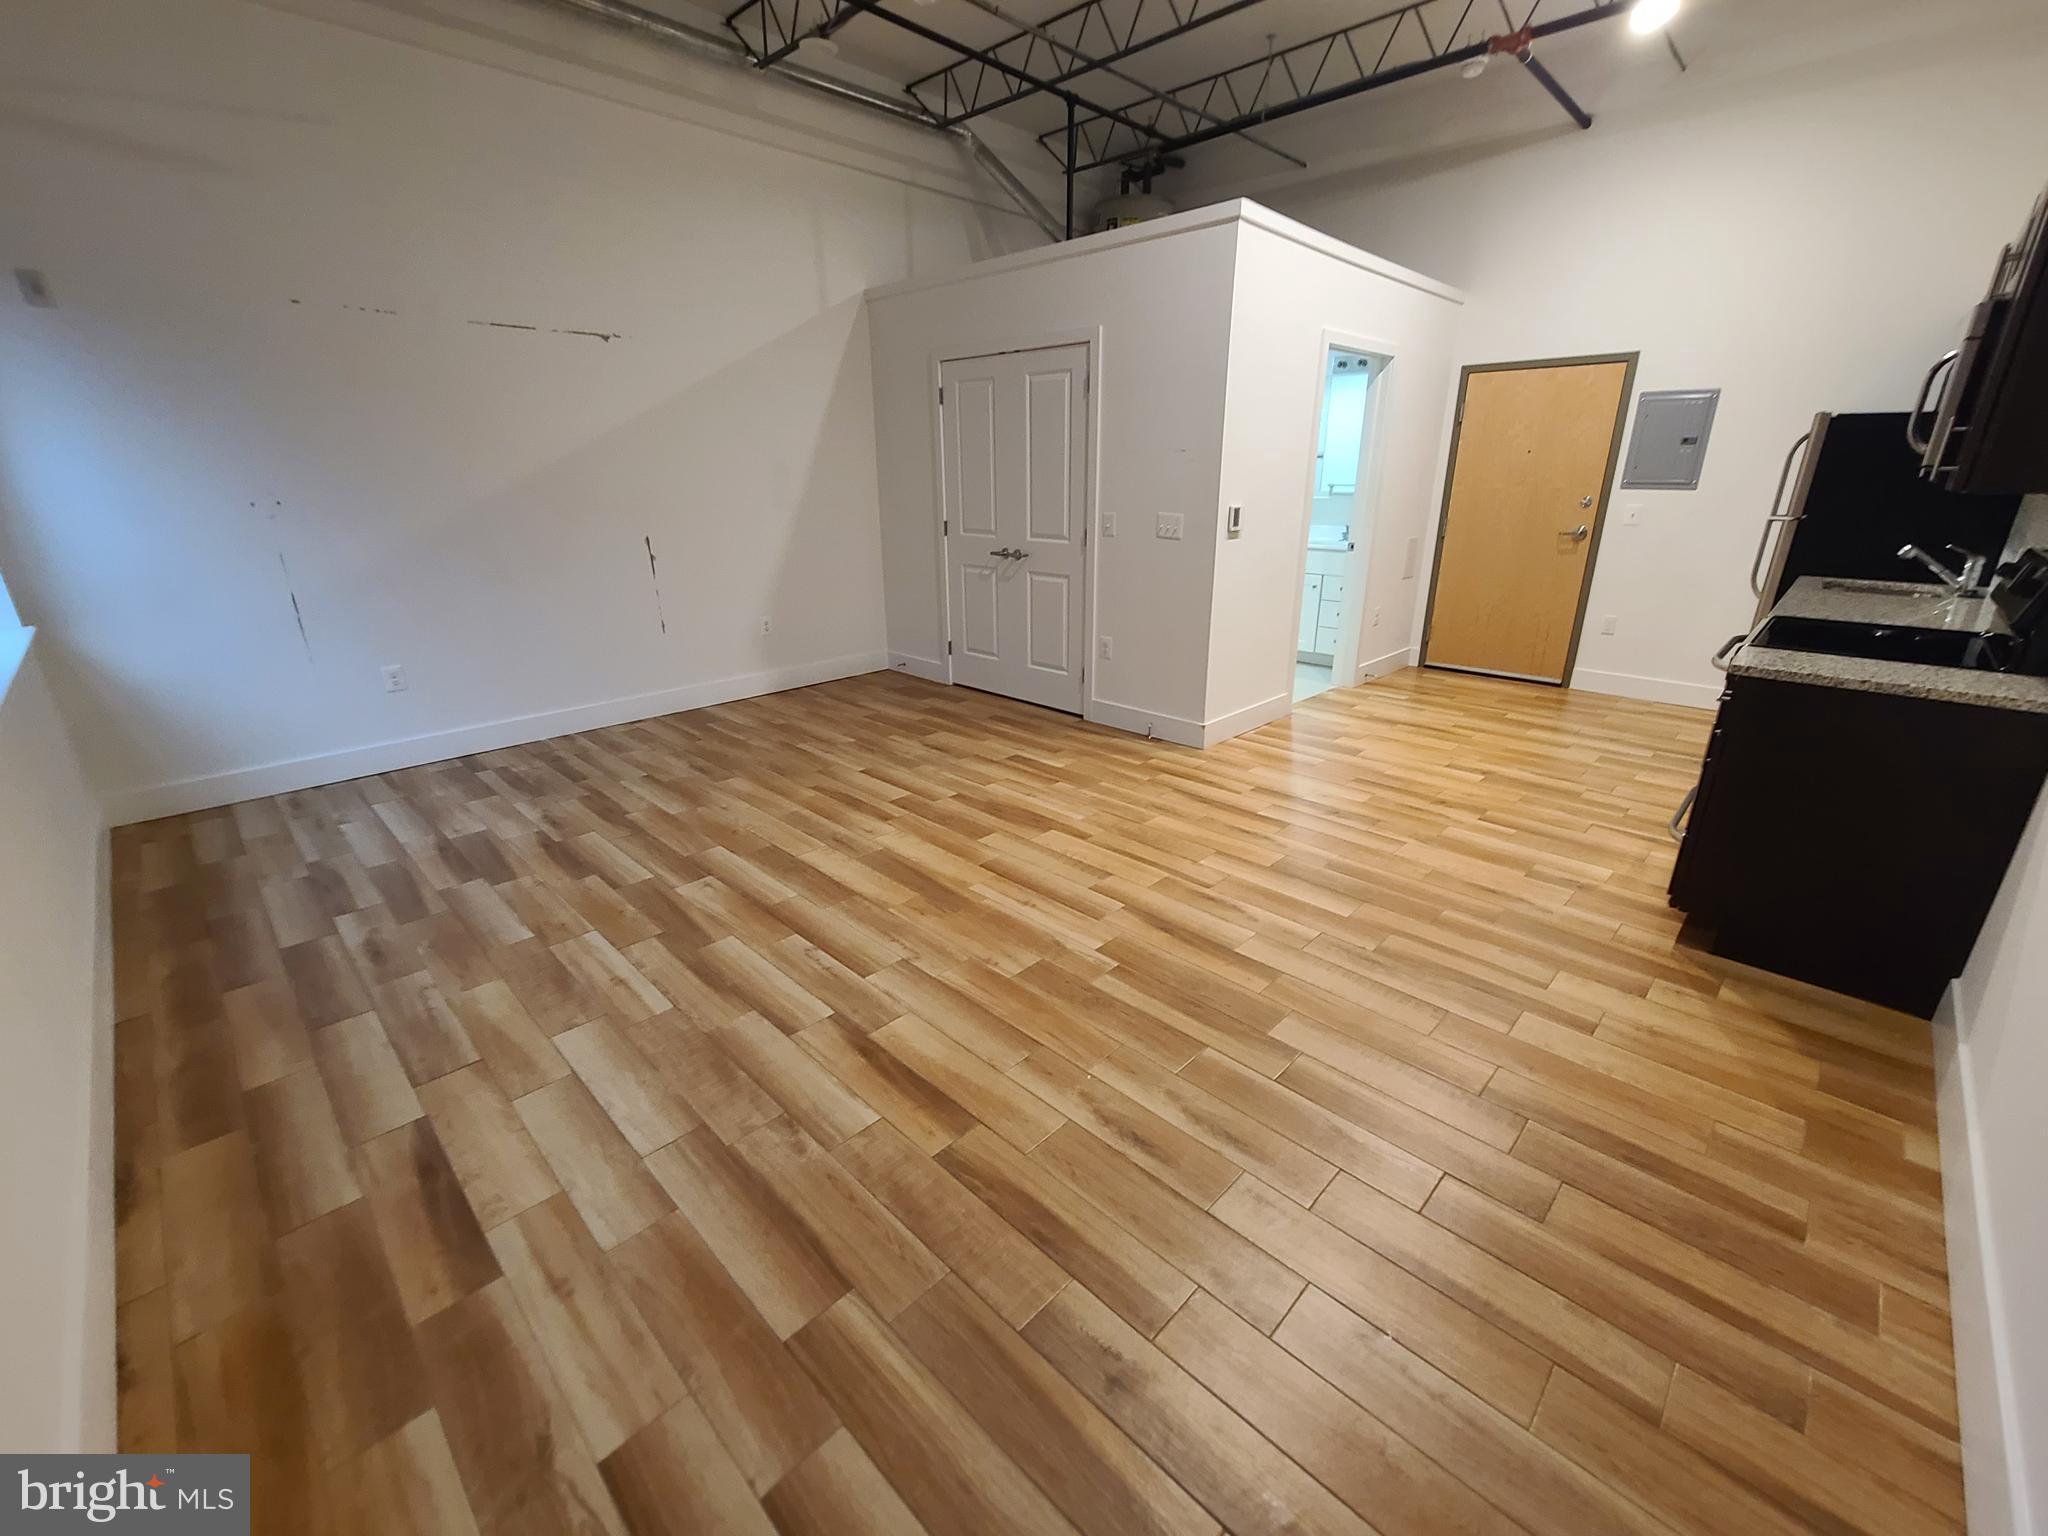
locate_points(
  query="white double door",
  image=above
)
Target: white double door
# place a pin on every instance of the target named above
(1014, 430)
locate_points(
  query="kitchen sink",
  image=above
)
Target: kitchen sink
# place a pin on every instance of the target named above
(1884, 642)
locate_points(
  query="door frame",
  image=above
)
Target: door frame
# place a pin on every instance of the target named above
(1365, 500)
(1443, 512)
(967, 351)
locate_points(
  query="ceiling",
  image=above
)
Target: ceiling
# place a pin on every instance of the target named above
(1602, 65)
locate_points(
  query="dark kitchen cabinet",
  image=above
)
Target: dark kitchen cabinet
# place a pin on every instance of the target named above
(1856, 839)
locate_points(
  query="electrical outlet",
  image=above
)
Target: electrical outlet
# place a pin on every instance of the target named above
(1376, 618)
(1607, 625)
(767, 626)
(1106, 646)
(1170, 525)
(394, 679)
(1109, 525)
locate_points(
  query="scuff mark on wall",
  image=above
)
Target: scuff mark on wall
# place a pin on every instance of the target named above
(284, 569)
(654, 578)
(552, 330)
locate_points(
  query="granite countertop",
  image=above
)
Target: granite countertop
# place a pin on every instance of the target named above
(1907, 605)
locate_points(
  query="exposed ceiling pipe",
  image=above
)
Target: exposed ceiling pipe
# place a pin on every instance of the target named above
(715, 48)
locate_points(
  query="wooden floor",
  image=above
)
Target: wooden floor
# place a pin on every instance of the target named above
(881, 1106)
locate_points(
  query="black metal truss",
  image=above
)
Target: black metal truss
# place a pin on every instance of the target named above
(1099, 31)
(772, 30)
(1336, 65)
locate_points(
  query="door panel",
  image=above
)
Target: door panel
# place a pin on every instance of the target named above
(1534, 450)
(975, 467)
(1047, 612)
(1014, 439)
(978, 627)
(1048, 488)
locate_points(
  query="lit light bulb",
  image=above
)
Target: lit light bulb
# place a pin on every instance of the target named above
(1649, 15)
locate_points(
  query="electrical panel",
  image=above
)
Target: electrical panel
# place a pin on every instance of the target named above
(1669, 442)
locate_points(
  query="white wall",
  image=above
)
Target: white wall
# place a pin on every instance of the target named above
(1289, 291)
(1160, 305)
(1805, 237)
(56, 1095)
(1992, 1059)
(278, 388)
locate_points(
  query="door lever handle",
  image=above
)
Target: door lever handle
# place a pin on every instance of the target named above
(1574, 534)
(1002, 554)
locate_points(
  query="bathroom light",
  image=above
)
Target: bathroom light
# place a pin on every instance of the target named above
(1649, 15)
(1474, 68)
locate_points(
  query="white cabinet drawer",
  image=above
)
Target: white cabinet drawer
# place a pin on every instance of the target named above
(1311, 589)
(1326, 639)
(1333, 589)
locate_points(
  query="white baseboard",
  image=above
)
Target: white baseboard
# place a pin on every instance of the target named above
(206, 791)
(1658, 690)
(1250, 718)
(1380, 666)
(918, 666)
(1145, 722)
(1994, 1487)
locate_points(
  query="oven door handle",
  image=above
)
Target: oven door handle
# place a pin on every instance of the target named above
(1914, 440)
(1763, 542)
(1677, 823)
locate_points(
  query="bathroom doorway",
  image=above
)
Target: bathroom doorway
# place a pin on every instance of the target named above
(1335, 512)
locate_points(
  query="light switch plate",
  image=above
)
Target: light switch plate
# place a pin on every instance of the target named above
(1109, 525)
(1233, 521)
(1170, 525)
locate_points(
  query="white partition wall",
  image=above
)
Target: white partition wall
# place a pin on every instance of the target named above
(1154, 305)
(1296, 293)
(1205, 333)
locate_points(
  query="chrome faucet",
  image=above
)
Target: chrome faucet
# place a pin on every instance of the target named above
(1960, 583)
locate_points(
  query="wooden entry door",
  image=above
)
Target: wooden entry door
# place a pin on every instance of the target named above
(1531, 461)
(1014, 439)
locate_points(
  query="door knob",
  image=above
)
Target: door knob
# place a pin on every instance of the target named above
(1585, 501)
(1574, 534)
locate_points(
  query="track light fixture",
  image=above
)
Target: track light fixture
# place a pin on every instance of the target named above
(1649, 15)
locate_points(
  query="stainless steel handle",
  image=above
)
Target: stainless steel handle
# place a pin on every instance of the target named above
(1678, 816)
(1574, 534)
(1914, 440)
(1763, 540)
(1722, 656)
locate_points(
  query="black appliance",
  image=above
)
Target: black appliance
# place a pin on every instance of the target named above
(1858, 497)
(1986, 434)
(2021, 593)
